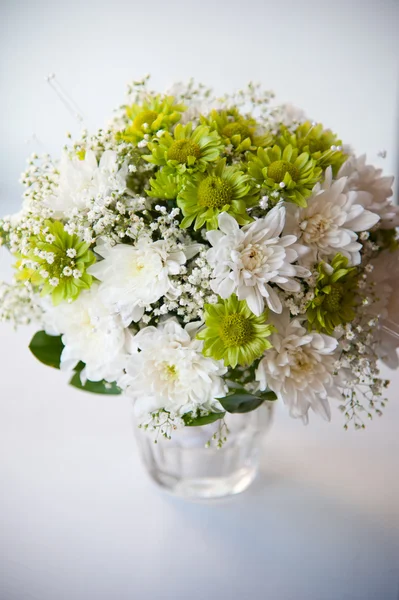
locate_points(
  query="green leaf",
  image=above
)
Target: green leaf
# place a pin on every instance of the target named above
(47, 348)
(268, 396)
(193, 421)
(95, 387)
(241, 401)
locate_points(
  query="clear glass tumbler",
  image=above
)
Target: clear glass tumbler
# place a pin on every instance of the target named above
(184, 465)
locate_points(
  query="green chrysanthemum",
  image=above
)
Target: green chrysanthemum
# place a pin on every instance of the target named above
(186, 149)
(57, 263)
(335, 295)
(158, 112)
(233, 333)
(321, 144)
(291, 174)
(220, 189)
(237, 130)
(164, 186)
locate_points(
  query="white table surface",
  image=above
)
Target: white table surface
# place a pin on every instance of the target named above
(79, 520)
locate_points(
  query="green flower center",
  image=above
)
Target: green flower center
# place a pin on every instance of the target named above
(214, 192)
(236, 129)
(180, 150)
(235, 330)
(279, 168)
(333, 300)
(145, 116)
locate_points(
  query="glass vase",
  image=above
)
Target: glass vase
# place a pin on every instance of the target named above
(186, 467)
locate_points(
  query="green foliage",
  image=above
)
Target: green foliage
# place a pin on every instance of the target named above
(47, 348)
(95, 387)
(240, 401)
(386, 239)
(192, 420)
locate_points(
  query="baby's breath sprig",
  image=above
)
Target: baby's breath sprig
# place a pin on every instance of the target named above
(220, 437)
(161, 423)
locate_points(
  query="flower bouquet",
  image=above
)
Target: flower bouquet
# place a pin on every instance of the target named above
(207, 256)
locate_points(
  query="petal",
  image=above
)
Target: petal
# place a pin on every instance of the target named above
(275, 220)
(227, 223)
(214, 236)
(322, 408)
(363, 222)
(255, 302)
(272, 299)
(226, 287)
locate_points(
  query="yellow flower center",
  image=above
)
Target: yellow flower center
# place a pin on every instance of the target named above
(169, 372)
(145, 117)
(333, 300)
(214, 192)
(279, 168)
(235, 330)
(180, 150)
(136, 267)
(236, 128)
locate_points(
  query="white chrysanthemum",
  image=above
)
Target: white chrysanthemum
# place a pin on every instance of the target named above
(82, 181)
(377, 190)
(299, 368)
(246, 261)
(167, 370)
(136, 276)
(385, 279)
(90, 334)
(330, 221)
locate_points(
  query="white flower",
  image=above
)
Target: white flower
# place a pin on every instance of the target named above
(90, 334)
(167, 370)
(376, 189)
(385, 279)
(299, 368)
(330, 221)
(82, 181)
(245, 261)
(136, 276)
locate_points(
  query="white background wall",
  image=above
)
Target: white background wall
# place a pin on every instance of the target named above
(78, 519)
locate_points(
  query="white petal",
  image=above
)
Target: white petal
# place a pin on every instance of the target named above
(363, 222)
(226, 287)
(272, 299)
(227, 223)
(255, 302)
(214, 236)
(322, 408)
